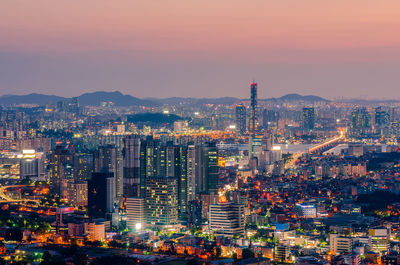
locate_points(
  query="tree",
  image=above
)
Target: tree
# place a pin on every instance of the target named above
(115, 260)
(3, 249)
(234, 257)
(89, 243)
(217, 251)
(13, 234)
(247, 253)
(115, 244)
(46, 256)
(80, 259)
(193, 262)
(50, 260)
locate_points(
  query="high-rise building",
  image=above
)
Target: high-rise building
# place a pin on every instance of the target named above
(101, 194)
(360, 119)
(382, 118)
(77, 194)
(195, 213)
(95, 230)
(211, 167)
(180, 172)
(152, 162)
(108, 159)
(157, 159)
(83, 167)
(282, 253)
(199, 170)
(308, 118)
(135, 214)
(105, 159)
(340, 244)
(61, 170)
(191, 172)
(131, 166)
(29, 167)
(356, 149)
(226, 218)
(202, 169)
(253, 126)
(269, 116)
(240, 119)
(161, 200)
(255, 147)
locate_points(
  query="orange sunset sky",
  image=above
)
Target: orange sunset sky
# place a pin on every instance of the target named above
(195, 48)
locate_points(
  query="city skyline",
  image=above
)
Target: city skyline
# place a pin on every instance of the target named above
(175, 48)
(258, 132)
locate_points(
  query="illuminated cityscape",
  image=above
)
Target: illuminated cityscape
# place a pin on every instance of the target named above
(308, 181)
(132, 132)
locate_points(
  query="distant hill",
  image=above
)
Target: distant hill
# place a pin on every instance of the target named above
(155, 118)
(87, 99)
(196, 101)
(232, 100)
(34, 98)
(119, 99)
(367, 101)
(297, 97)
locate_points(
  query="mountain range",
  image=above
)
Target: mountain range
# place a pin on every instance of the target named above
(119, 99)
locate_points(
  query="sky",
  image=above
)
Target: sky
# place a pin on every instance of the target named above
(192, 48)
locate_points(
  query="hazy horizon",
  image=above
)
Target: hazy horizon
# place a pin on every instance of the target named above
(162, 49)
(362, 97)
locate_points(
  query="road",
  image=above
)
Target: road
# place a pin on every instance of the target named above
(5, 198)
(296, 156)
(331, 141)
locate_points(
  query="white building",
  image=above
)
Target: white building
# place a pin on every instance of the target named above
(135, 214)
(95, 231)
(226, 218)
(339, 244)
(306, 210)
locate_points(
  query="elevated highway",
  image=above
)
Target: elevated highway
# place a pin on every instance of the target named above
(318, 148)
(328, 144)
(5, 198)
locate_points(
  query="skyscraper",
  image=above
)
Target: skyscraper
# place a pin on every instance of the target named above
(191, 172)
(158, 159)
(152, 162)
(131, 166)
(61, 170)
(211, 167)
(382, 118)
(108, 159)
(29, 167)
(308, 118)
(83, 167)
(101, 194)
(181, 175)
(161, 200)
(360, 119)
(240, 119)
(269, 116)
(253, 126)
(105, 159)
(202, 169)
(77, 194)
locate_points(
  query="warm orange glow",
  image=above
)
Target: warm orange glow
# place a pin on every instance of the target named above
(222, 199)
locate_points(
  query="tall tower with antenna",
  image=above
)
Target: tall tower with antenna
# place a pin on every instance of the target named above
(253, 109)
